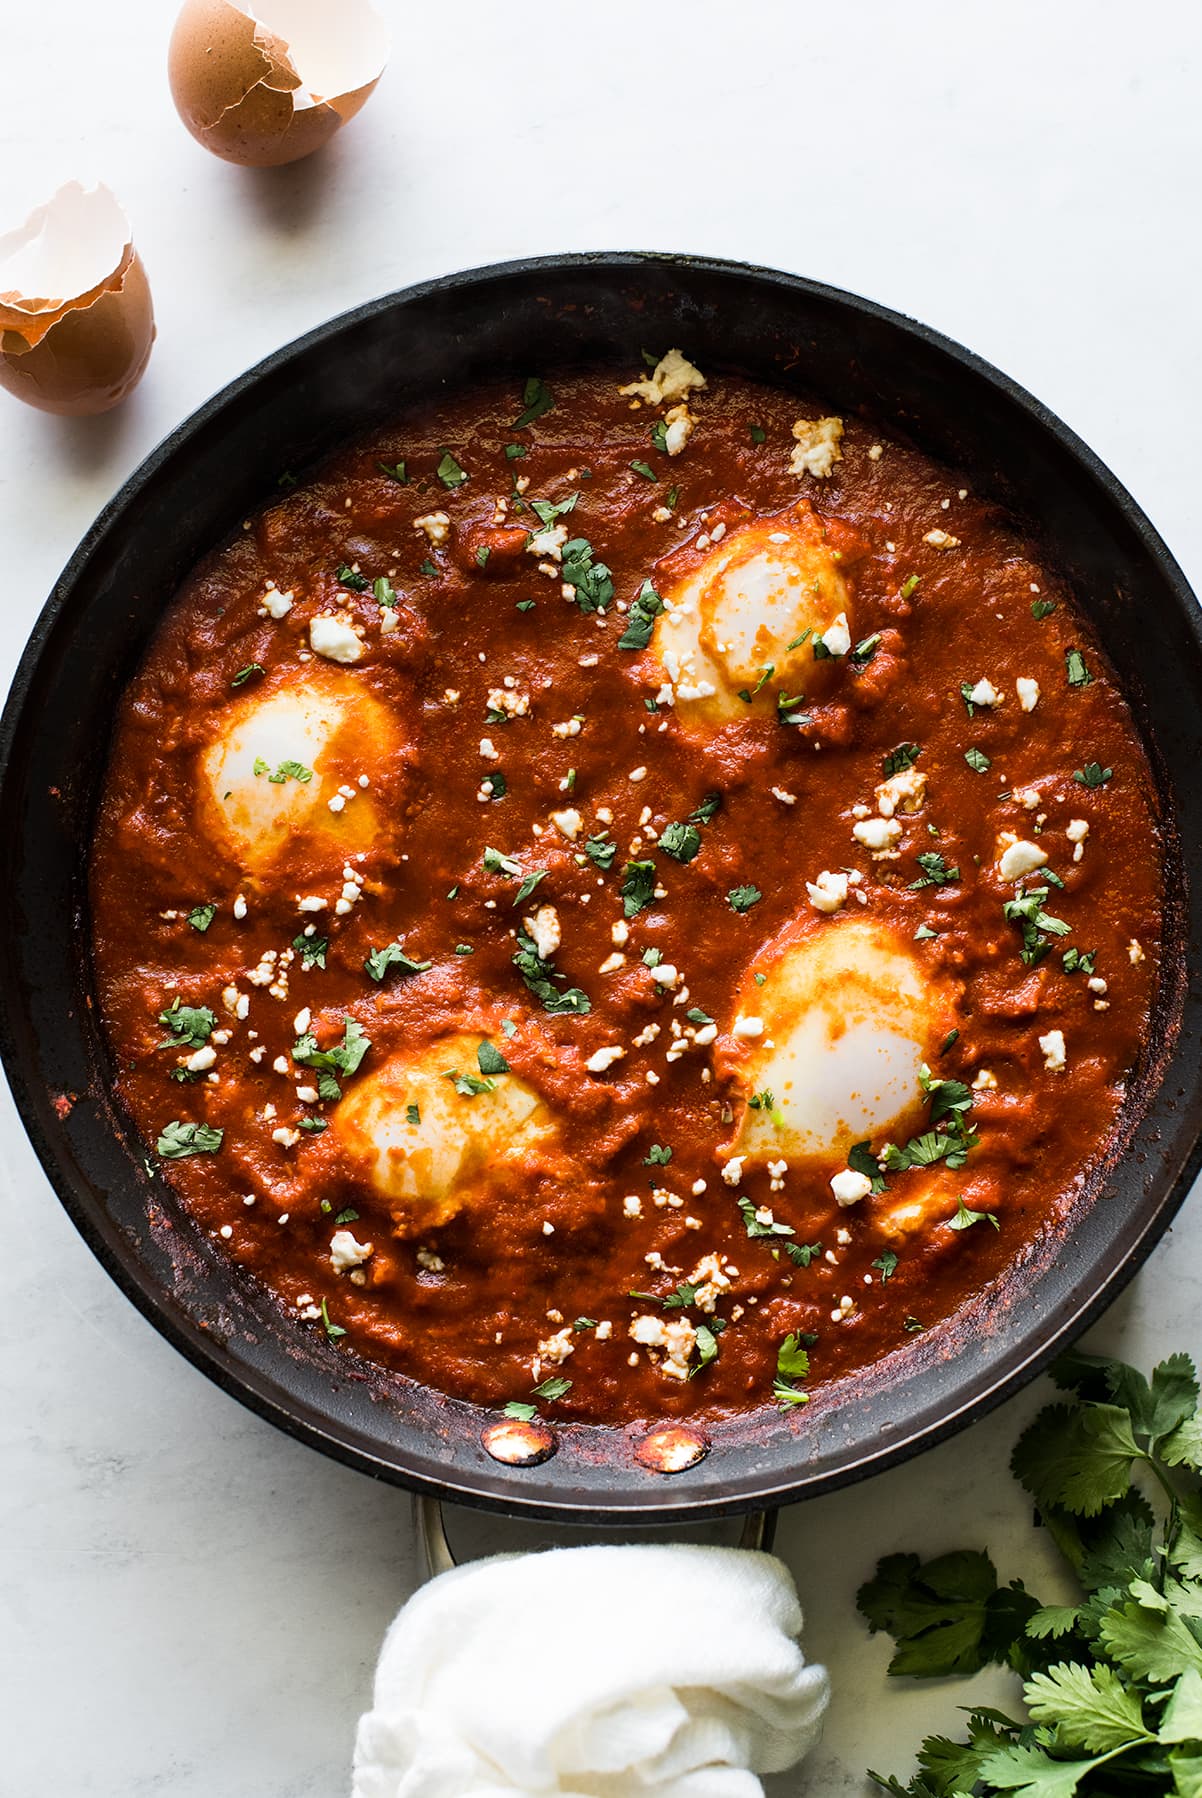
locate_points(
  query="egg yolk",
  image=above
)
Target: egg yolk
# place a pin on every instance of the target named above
(742, 627)
(274, 769)
(433, 1136)
(831, 1045)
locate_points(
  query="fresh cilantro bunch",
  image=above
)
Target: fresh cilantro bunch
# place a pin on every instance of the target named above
(1112, 1685)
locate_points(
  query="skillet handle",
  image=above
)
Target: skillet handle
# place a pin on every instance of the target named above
(758, 1531)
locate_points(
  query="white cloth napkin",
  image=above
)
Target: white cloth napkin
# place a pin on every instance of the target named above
(606, 1672)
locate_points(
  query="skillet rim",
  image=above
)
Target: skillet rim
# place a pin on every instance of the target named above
(249, 1385)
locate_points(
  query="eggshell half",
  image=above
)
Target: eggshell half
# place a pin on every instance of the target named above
(270, 84)
(76, 317)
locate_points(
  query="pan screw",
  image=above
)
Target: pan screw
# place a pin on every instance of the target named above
(519, 1444)
(671, 1449)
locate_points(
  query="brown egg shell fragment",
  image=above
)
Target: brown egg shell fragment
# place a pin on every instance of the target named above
(89, 354)
(233, 83)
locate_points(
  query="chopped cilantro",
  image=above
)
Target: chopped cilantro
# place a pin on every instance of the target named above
(901, 758)
(792, 1364)
(428, 567)
(590, 580)
(554, 1388)
(909, 585)
(658, 1155)
(638, 888)
(311, 949)
(861, 1160)
(965, 1219)
(977, 760)
(540, 975)
(529, 882)
(520, 1411)
(935, 872)
(490, 1059)
(469, 1085)
(201, 916)
(536, 399)
(645, 469)
(1037, 926)
(344, 1058)
(291, 771)
(640, 620)
(741, 899)
(757, 433)
(548, 510)
(244, 674)
(395, 472)
(681, 841)
(333, 1331)
(384, 591)
(924, 934)
(1078, 961)
(514, 451)
(315, 1126)
(755, 1228)
(865, 650)
(393, 955)
(346, 576)
(802, 1253)
(190, 1025)
(1093, 775)
(449, 472)
(1074, 665)
(659, 436)
(413, 1114)
(600, 852)
(1042, 608)
(695, 1015)
(178, 1140)
(709, 808)
(886, 1263)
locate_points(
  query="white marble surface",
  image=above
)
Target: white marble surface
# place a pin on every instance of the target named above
(189, 1603)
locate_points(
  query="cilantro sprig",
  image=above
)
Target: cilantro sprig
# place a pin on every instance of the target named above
(1112, 1680)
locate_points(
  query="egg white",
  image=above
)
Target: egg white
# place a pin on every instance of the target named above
(741, 612)
(848, 1016)
(327, 724)
(461, 1151)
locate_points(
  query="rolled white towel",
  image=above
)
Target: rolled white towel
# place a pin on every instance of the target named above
(604, 1672)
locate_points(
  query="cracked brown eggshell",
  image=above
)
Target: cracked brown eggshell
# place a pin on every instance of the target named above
(76, 318)
(267, 85)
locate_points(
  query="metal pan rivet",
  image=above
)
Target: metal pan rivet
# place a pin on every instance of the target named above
(519, 1444)
(672, 1449)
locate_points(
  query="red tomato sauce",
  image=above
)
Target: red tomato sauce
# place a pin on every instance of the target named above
(460, 1293)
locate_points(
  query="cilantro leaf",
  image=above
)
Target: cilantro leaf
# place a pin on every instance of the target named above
(645, 608)
(901, 758)
(201, 916)
(393, 955)
(490, 1059)
(190, 1025)
(177, 1140)
(638, 888)
(1080, 1459)
(681, 841)
(536, 400)
(742, 898)
(449, 471)
(540, 976)
(1089, 1706)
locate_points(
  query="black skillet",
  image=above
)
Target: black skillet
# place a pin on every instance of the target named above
(293, 410)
